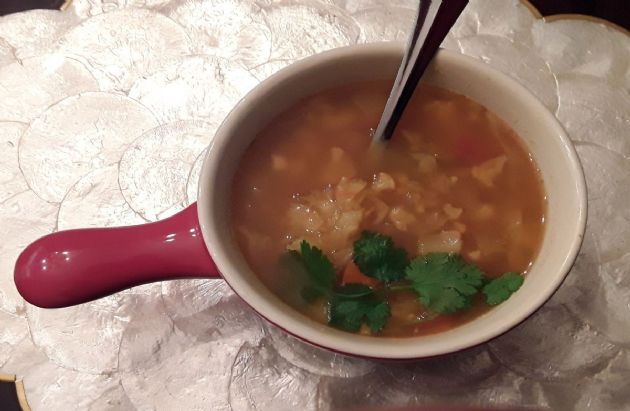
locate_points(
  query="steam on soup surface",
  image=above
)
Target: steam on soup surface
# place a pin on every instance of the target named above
(453, 179)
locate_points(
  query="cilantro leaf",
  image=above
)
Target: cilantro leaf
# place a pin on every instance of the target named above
(377, 316)
(318, 266)
(347, 314)
(500, 289)
(356, 304)
(444, 282)
(376, 257)
(448, 301)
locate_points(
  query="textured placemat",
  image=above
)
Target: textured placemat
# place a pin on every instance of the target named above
(105, 112)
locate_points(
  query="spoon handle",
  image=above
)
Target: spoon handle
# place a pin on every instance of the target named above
(435, 19)
(421, 16)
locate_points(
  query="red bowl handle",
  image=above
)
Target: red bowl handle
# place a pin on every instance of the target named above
(72, 267)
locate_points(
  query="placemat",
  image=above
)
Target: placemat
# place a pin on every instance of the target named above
(91, 135)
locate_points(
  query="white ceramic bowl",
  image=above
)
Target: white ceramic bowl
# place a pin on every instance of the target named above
(538, 128)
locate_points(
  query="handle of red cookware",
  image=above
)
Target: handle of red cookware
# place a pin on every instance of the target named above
(72, 267)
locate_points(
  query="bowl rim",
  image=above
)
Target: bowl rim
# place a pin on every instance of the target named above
(323, 336)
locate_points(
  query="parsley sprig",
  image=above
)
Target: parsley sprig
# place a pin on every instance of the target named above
(445, 283)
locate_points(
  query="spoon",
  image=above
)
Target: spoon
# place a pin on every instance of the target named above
(433, 22)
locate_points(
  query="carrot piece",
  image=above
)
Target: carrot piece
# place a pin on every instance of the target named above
(352, 275)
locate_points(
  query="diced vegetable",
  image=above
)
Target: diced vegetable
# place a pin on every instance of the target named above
(348, 189)
(349, 221)
(401, 218)
(488, 171)
(444, 242)
(305, 218)
(379, 211)
(383, 181)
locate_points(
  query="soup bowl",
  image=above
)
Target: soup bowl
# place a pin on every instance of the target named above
(73, 267)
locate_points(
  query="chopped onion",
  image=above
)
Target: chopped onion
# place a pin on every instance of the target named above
(401, 218)
(383, 181)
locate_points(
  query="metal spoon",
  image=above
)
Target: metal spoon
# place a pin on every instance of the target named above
(433, 22)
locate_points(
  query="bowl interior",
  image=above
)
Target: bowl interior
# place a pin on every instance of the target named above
(545, 138)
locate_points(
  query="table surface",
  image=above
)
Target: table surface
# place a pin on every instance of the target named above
(88, 138)
(615, 11)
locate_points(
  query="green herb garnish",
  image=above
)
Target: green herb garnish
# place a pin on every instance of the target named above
(317, 265)
(500, 289)
(351, 305)
(445, 283)
(355, 304)
(376, 257)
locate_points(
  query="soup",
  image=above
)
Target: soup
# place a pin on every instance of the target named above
(348, 233)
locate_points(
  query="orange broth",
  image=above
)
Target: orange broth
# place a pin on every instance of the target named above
(454, 178)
